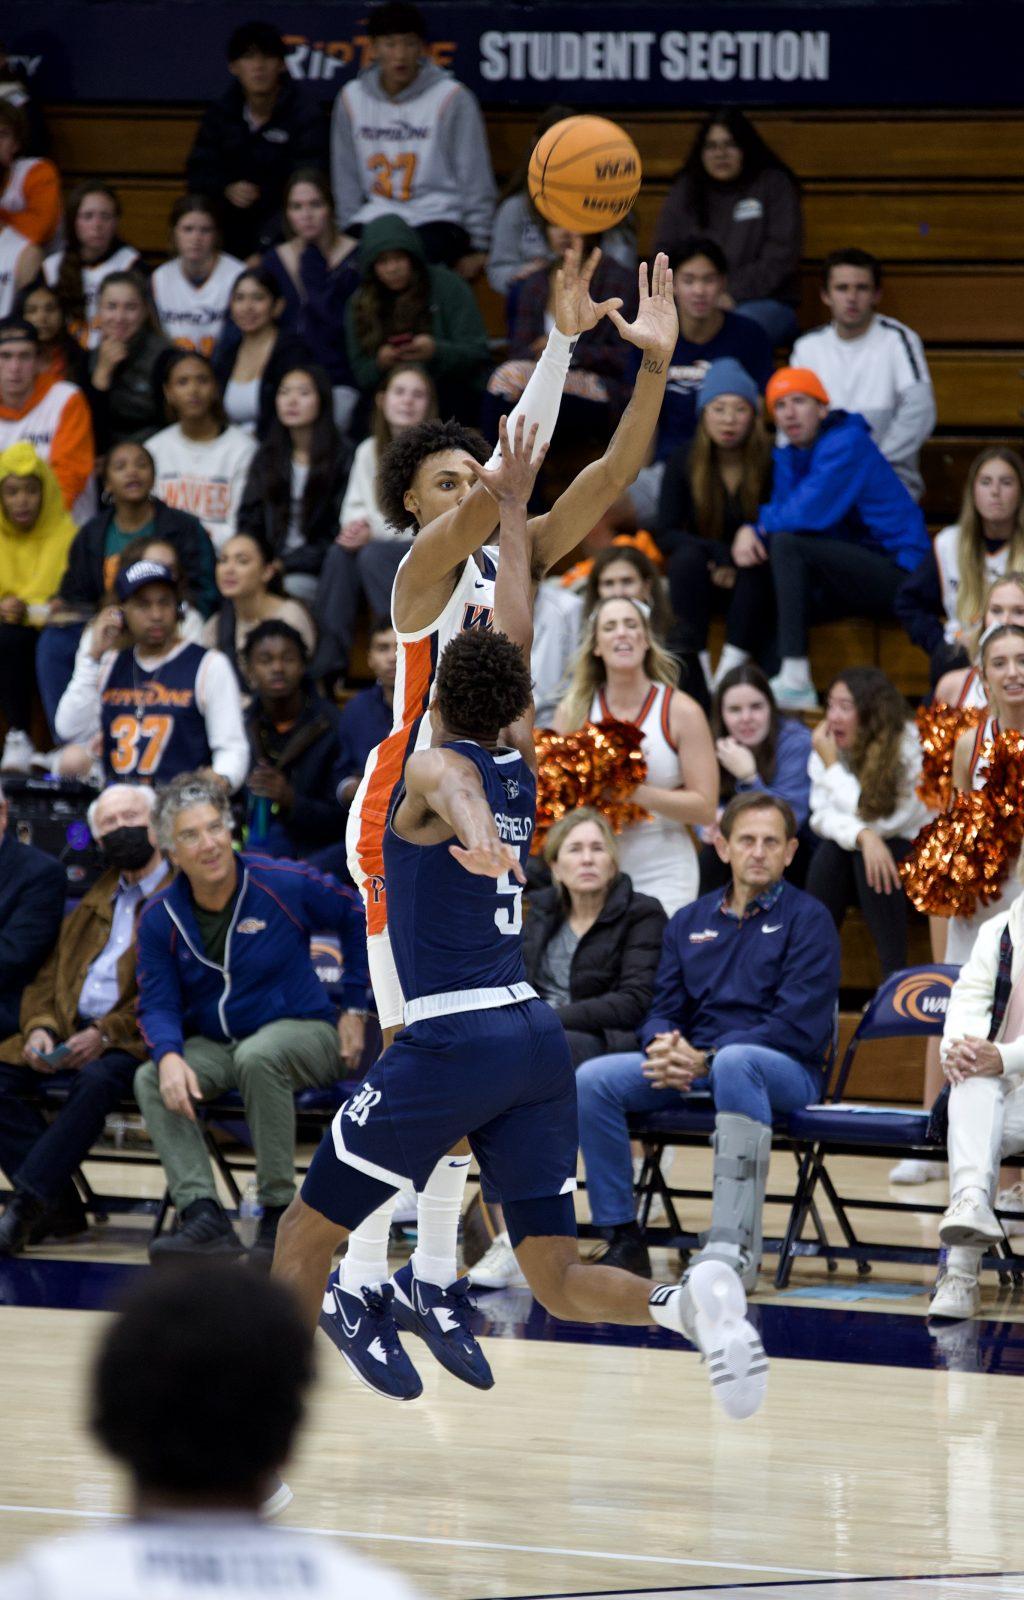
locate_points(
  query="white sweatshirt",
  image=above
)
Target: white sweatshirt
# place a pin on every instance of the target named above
(557, 622)
(970, 1004)
(78, 718)
(206, 478)
(884, 376)
(360, 500)
(835, 799)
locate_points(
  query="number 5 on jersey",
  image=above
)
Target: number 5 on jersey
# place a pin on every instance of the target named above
(509, 918)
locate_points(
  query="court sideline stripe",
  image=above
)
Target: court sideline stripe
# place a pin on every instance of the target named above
(776, 1583)
(470, 1544)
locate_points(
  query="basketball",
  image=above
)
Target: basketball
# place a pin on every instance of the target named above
(584, 174)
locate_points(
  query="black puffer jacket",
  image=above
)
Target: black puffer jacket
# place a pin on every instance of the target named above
(612, 977)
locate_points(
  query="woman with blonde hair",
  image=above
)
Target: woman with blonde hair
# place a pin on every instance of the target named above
(942, 603)
(623, 674)
(864, 766)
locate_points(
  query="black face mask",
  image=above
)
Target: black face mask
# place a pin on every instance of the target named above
(127, 848)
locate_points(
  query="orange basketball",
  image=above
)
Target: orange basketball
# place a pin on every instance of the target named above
(584, 174)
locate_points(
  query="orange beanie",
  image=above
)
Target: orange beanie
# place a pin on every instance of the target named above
(794, 380)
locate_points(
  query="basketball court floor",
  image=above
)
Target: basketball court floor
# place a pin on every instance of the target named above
(885, 1465)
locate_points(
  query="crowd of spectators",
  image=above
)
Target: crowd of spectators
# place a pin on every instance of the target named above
(191, 532)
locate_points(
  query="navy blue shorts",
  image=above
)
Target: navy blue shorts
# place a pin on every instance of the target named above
(504, 1077)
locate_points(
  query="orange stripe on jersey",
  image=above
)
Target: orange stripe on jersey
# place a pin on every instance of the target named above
(666, 716)
(391, 757)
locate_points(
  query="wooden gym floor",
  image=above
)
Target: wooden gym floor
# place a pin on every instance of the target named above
(885, 1464)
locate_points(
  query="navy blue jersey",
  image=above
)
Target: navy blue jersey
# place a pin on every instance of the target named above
(451, 930)
(152, 725)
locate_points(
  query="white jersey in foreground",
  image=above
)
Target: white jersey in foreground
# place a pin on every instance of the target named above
(233, 1558)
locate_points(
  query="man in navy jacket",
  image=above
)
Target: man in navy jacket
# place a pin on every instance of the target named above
(744, 1003)
(229, 999)
(32, 890)
(841, 531)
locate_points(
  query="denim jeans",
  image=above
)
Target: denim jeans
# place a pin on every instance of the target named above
(55, 662)
(40, 1157)
(747, 1079)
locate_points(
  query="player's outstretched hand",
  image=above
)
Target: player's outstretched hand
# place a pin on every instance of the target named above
(656, 327)
(512, 481)
(489, 859)
(575, 311)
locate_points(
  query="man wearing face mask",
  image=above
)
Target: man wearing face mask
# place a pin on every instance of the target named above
(84, 1001)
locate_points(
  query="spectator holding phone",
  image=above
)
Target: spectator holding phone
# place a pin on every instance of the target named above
(78, 1027)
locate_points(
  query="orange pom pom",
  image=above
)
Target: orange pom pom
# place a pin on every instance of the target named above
(598, 765)
(939, 727)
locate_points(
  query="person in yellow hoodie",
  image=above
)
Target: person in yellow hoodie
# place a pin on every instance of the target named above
(35, 535)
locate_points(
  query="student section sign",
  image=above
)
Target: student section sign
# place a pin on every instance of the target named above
(654, 55)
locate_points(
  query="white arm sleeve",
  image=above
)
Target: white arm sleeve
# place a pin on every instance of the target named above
(543, 394)
(78, 712)
(219, 700)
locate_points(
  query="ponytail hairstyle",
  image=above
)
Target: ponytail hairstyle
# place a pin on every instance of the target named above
(875, 759)
(588, 670)
(69, 285)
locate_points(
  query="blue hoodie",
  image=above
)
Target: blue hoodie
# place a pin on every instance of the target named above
(267, 972)
(842, 486)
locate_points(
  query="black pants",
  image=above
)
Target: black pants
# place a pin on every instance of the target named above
(39, 1157)
(837, 878)
(17, 673)
(747, 605)
(345, 577)
(821, 580)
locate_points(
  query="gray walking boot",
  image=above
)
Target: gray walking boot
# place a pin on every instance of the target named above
(739, 1178)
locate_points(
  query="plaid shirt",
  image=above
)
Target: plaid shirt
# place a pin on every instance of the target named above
(761, 902)
(1004, 983)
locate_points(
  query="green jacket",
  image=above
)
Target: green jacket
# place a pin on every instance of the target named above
(455, 321)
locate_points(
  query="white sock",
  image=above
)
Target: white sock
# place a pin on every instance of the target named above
(795, 672)
(732, 656)
(704, 657)
(437, 1221)
(542, 396)
(366, 1260)
(671, 1307)
(965, 1259)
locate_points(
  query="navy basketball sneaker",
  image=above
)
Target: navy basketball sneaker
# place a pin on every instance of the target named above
(363, 1328)
(441, 1319)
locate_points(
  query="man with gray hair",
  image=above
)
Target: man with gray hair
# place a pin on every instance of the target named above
(229, 999)
(78, 1028)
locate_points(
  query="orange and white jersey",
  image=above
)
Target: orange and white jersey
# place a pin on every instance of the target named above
(56, 420)
(122, 260)
(973, 696)
(192, 316)
(12, 243)
(471, 606)
(31, 200)
(206, 477)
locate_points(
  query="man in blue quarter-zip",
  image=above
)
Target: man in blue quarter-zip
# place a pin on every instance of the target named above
(743, 1004)
(229, 999)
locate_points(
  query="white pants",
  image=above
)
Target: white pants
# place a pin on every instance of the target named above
(986, 1122)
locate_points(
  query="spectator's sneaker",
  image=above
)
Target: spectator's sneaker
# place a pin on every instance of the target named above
(1012, 1200)
(912, 1171)
(498, 1267)
(969, 1219)
(18, 752)
(709, 1307)
(956, 1298)
(788, 698)
(626, 1252)
(441, 1318)
(277, 1501)
(363, 1328)
(203, 1229)
(262, 1252)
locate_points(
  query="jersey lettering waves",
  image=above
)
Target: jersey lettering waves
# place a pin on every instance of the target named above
(450, 929)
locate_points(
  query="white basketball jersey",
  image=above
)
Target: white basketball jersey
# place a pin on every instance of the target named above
(191, 317)
(122, 260)
(233, 1558)
(12, 243)
(402, 165)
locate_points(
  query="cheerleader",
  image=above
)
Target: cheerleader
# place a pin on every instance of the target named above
(621, 673)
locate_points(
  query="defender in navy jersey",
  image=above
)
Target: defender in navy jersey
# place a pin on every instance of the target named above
(480, 1055)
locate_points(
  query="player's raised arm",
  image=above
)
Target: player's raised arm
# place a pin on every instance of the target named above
(446, 542)
(442, 785)
(584, 502)
(510, 485)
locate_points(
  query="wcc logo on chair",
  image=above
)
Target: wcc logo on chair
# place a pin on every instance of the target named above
(922, 996)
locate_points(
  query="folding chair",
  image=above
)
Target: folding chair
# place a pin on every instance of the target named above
(911, 1004)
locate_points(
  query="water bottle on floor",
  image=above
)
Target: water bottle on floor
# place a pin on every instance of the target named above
(250, 1214)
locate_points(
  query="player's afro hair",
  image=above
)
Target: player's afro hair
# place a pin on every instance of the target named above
(403, 457)
(483, 684)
